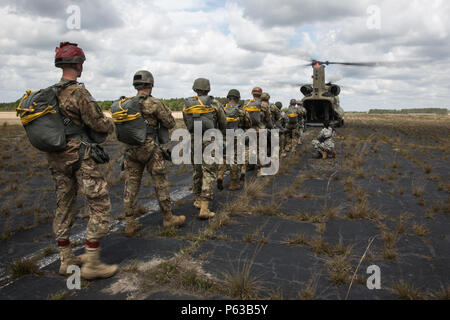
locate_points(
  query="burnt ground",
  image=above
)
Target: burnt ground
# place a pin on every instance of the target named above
(302, 234)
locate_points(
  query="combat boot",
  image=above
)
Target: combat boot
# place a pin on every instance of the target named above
(287, 149)
(67, 259)
(204, 211)
(234, 186)
(93, 268)
(299, 142)
(170, 221)
(197, 202)
(131, 226)
(324, 155)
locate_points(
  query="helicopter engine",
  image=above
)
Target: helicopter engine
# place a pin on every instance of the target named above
(335, 90)
(306, 90)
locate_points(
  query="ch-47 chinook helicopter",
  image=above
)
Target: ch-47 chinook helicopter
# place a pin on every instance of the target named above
(321, 99)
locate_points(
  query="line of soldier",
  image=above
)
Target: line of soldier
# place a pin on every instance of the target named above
(74, 168)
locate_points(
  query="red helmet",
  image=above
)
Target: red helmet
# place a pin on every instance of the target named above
(257, 91)
(68, 53)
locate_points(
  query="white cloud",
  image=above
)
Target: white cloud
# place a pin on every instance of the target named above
(236, 44)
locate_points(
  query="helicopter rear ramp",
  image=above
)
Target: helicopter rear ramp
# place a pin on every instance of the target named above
(321, 110)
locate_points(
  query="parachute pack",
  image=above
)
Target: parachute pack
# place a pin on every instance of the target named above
(254, 110)
(199, 109)
(131, 127)
(292, 113)
(232, 114)
(39, 113)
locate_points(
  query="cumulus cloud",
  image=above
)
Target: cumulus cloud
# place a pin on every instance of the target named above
(236, 44)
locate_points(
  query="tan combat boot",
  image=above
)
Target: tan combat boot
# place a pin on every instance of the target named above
(67, 259)
(93, 268)
(170, 221)
(197, 202)
(324, 155)
(204, 211)
(299, 142)
(131, 226)
(234, 186)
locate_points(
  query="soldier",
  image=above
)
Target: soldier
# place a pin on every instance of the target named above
(74, 168)
(206, 111)
(260, 118)
(294, 114)
(324, 145)
(148, 156)
(279, 123)
(302, 126)
(237, 118)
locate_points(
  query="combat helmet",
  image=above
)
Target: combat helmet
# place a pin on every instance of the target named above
(257, 92)
(293, 102)
(233, 93)
(201, 84)
(68, 53)
(279, 105)
(142, 79)
(265, 96)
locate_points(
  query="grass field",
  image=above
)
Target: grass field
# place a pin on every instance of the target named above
(310, 232)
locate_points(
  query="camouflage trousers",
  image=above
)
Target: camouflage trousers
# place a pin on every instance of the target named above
(92, 184)
(292, 136)
(327, 146)
(137, 159)
(204, 177)
(234, 168)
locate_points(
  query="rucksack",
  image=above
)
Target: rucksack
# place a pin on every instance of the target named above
(131, 127)
(254, 109)
(232, 115)
(199, 109)
(40, 115)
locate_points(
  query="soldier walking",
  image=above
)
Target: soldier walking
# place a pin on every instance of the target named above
(205, 111)
(237, 118)
(148, 155)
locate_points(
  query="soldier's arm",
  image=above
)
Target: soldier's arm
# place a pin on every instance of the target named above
(268, 117)
(164, 115)
(245, 120)
(90, 112)
(221, 117)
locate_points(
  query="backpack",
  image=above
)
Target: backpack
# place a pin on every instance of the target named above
(293, 115)
(254, 110)
(199, 109)
(232, 114)
(39, 113)
(131, 127)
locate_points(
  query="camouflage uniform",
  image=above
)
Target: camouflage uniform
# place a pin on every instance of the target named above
(77, 104)
(148, 156)
(278, 123)
(324, 142)
(205, 175)
(235, 168)
(293, 127)
(266, 123)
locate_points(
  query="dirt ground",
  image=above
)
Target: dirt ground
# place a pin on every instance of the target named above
(310, 232)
